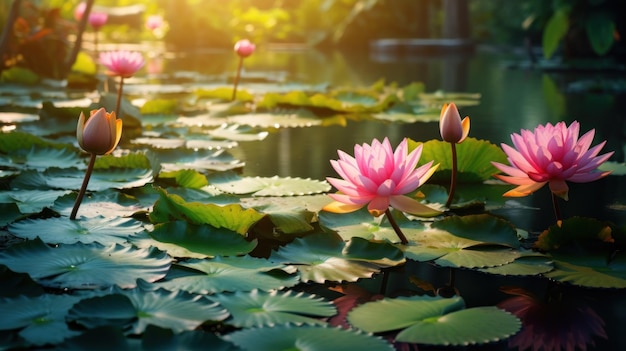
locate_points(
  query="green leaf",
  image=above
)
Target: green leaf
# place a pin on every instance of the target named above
(555, 30)
(19, 75)
(224, 93)
(530, 263)
(186, 178)
(172, 207)
(230, 182)
(600, 31)
(60, 230)
(324, 257)
(238, 273)
(107, 203)
(363, 225)
(307, 337)
(592, 270)
(473, 156)
(288, 219)
(41, 319)
(485, 228)
(577, 233)
(199, 241)
(17, 284)
(31, 201)
(178, 310)
(41, 158)
(259, 309)
(435, 321)
(82, 266)
(11, 142)
(159, 106)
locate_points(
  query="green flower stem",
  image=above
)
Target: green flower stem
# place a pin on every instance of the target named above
(453, 176)
(396, 228)
(83, 188)
(118, 103)
(555, 205)
(237, 77)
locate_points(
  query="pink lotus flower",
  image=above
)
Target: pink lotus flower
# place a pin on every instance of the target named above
(244, 48)
(380, 177)
(122, 63)
(452, 129)
(154, 22)
(551, 154)
(98, 19)
(79, 11)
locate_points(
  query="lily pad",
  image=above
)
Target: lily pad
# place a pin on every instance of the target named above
(229, 182)
(199, 240)
(307, 337)
(107, 203)
(101, 179)
(239, 273)
(40, 320)
(85, 266)
(259, 309)
(473, 159)
(32, 201)
(60, 230)
(237, 133)
(326, 257)
(178, 311)
(435, 320)
(288, 119)
(41, 158)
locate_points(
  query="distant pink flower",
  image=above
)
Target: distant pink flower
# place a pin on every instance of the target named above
(98, 19)
(452, 129)
(122, 63)
(79, 11)
(153, 22)
(244, 48)
(551, 154)
(380, 177)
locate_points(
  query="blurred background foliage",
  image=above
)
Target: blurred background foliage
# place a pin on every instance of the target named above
(573, 28)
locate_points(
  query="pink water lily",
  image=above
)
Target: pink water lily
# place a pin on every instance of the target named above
(98, 19)
(379, 177)
(551, 154)
(122, 63)
(244, 47)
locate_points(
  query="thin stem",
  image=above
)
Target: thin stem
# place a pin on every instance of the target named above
(118, 103)
(453, 176)
(396, 228)
(555, 205)
(83, 188)
(384, 282)
(237, 77)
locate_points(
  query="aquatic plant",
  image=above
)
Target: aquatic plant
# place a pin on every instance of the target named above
(453, 131)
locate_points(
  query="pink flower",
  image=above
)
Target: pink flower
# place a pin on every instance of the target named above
(79, 11)
(551, 154)
(153, 22)
(380, 177)
(122, 63)
(98, 19)
(452, 129)
(100, 134)
(244, 48)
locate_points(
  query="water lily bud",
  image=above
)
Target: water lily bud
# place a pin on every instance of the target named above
(100, 134)
(98, 19)
(452, 129)
(244, 48)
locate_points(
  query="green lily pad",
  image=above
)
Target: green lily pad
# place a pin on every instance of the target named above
(60, 230)
(530, 263)
(101, 179)
(32, 201)
(186, 178)
(85, 266)
(198, 160)
(592, 270)
(473, 159)
(306, 337)
(172, 207)
(219, 274)
(288, 119)
(326, 257)
(236, 132)
(41, 158)
(178, 311)
(229, 182)
(363, 225)
(259, 309)
(435, 321)
(616, 169)
(485, 228)
(17, 284)
(199, 240)
(40, 320)
(11, 142)
(107, 203)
